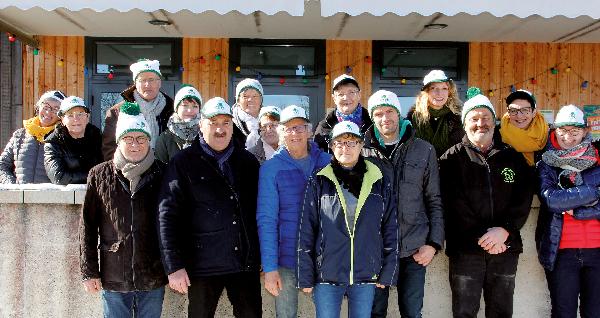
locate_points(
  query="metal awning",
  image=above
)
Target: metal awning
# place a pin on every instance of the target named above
(325, 19)
(292, 7)
(518, 8)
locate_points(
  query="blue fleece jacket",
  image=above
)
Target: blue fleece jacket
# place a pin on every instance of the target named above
(281, 187)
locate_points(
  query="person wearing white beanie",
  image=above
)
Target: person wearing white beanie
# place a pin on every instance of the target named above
(248, 102)
(156, 106)
(121, 203)
(487, 189)
(183, 126)
(412, 163)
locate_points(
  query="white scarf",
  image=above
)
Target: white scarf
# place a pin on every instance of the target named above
(151, 110)
(252, 134)
(269, 151)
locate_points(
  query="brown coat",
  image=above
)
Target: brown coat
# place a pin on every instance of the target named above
(126, 223)
(109, 143)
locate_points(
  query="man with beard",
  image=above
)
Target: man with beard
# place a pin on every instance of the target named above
(207, 219)
(487, 196)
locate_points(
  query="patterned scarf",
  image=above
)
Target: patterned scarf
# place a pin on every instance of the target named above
(151, 110)
(439, 137)
(355, 116)
(34, 128)
(186, 130)
(572, 161)
(132, 171)
(525, 141)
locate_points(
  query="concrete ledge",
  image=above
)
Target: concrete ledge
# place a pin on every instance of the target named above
(11, 196)
(49, 196)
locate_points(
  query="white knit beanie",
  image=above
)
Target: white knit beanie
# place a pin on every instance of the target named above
(475, 99)
(131, 119)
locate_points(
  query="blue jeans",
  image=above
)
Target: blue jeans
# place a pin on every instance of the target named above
(576, 274)
(286, 304)
(411, 290)
(145, 304)
(328, 300)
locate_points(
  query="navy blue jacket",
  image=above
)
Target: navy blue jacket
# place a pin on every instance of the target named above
(555, 200)
(328, 252)
(207, 224)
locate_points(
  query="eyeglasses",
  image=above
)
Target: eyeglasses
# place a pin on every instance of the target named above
(348, 143)
(523, 111)
(269, 126)
(46, 107)
(140, 140)
(297, 129)
(350, 94)
(574, 132)
(149, 81)
(244, 96)
(78, 115)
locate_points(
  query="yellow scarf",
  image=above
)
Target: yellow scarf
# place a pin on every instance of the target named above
(525, 141)
(34, 128)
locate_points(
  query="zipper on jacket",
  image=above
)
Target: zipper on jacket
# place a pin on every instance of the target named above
(489, 182)
(132, 244)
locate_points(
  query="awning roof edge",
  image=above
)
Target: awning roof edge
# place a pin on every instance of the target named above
(292, 7)
(518, 8)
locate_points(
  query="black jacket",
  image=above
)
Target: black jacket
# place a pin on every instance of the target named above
(126, 224)
(482, 192)
(414, 167)
(323, 130)
(68, 160)
(109, 142)
(207, 225)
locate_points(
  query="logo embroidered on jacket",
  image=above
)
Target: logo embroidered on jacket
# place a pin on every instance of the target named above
(508, 174)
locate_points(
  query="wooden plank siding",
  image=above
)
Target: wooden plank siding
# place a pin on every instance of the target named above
(58, 65)
(211, 78)
(496, 66)
(340, 54)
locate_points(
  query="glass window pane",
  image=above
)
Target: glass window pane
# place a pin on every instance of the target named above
(108, 100)
(118, 56)
(282, 101)
(283, 60)
(414, 62)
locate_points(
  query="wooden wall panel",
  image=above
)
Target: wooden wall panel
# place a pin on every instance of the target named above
(211, 76)
(496, 66)
(59, 65)
(340, 54)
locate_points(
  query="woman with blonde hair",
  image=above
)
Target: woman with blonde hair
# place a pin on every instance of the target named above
(436, 115)
(22, 160)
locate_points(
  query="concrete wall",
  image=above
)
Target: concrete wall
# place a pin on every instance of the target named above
(39, 271)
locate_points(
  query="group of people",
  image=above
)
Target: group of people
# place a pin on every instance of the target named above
(204, 196)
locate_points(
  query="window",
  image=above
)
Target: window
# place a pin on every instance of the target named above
(277, 58)
(416, 62)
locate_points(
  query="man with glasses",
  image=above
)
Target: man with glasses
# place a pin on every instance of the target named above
(523, 127)
(391, 143)
(487, 192)
(207, 219)
(346, 97)
(120, 207)
(268, 143)
(281, 186)
(156, 106)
